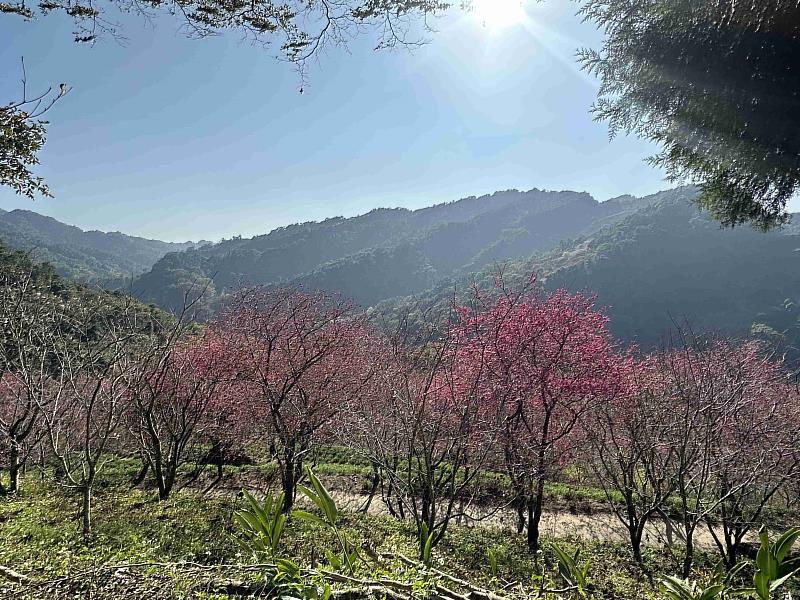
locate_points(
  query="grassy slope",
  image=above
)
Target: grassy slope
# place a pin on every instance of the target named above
(38, 537)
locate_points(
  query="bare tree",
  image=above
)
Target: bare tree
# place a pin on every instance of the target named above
(30, 312)
(423, 428)
(721, 394)
(171, 376)
(757, 453)
(84, 415)
(630, 451)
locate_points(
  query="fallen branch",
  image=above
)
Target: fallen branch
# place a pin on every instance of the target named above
(358, 588)
(13, 576)
(475, 593)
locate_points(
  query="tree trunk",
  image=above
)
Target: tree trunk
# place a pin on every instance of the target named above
(169, 473)
(86, 512)
(139, 478)
(288, 480)
(688, 557)
(520, 508)
(158, 472)
(535, 506)
(733, 541)
(166, 489)
(536, 503)
(636, 543)
(13, 469)
(635, 529)
(375, 483)
(426, 508)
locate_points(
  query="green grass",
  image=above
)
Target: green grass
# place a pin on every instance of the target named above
(341, 460)
(39, 537)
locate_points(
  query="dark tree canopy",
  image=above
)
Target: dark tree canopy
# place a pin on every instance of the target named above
(717, 84)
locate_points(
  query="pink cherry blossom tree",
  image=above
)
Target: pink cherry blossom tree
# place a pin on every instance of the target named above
(301, 363)
(423, 427)
(630, 450)
(733, 434)
(545, 360)
(172, 382)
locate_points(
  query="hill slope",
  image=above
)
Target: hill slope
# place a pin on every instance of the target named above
(387, 252)
(651, 261)
(90, 256)
(668, 264)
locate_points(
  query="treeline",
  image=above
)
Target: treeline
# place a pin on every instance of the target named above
(110, 259)
(530, 384)
(665, 263)
(386, 252)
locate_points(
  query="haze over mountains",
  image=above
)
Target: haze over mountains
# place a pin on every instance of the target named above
(389, 252)
(666, 265)
(88, 256)
(651, 261)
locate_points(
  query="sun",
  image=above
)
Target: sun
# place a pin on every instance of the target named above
(496, 14)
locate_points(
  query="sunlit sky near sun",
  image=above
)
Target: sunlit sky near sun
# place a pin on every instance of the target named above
(494, 14)
(184, 139)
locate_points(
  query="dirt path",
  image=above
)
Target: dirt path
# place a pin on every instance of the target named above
(555, 524)
(590, 523)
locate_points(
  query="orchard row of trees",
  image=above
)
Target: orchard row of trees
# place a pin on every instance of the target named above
(702, 434)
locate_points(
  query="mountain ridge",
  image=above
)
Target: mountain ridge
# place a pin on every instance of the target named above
(665, 265)
(105, 258)
(650, 262)
(385, 252)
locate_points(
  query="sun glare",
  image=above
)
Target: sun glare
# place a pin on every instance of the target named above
(495, 14)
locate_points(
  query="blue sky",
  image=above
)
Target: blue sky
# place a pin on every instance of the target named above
(179, 139)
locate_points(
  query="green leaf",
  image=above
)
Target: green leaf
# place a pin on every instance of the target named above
(736, 569)
(311, 517)
(426, 549)
(779, 582)
(677, 589)
(764, 560)
(711, 592)
(492, 557)
(333, 560)
(318, 500)
(328, 506)
(783, 545)
(287, 565)
(761, 584)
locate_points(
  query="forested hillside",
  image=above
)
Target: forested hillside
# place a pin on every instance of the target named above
(388, 252)
(90, 256)
(52, 292)
(651, 261)
(668, 264)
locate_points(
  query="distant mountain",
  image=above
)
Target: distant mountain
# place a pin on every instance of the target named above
(387, 252)
(89, 256)
(106, 306)
(652, 262)
(667, 264)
